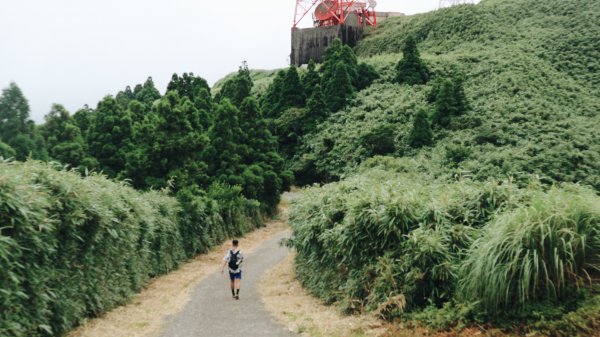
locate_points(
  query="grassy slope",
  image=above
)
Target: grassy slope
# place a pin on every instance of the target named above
(531, 72)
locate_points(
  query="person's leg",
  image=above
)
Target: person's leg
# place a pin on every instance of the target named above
(238, 284)
(232, 284)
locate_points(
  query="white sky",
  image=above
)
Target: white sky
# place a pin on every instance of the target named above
(75, 52)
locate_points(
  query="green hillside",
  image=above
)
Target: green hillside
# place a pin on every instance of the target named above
(531, 72)
(492, 219)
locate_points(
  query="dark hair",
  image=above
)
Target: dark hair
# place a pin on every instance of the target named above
(235, 242)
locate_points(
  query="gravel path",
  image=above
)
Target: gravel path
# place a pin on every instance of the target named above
(212, 312)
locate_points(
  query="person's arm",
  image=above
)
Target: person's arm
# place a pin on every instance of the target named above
(225, 259)
(241, 259)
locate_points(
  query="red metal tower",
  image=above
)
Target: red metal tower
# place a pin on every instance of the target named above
(336, 12)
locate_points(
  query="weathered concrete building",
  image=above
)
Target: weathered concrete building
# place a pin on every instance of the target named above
(310, 43)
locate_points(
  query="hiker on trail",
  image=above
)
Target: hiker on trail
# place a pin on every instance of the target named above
(233, 259)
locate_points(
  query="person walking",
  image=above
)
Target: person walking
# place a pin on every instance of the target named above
(233, 260)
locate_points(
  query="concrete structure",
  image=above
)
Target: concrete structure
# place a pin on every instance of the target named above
(310, 43)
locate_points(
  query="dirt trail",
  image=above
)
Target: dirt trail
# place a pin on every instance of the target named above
(169, 299)
(212, 312)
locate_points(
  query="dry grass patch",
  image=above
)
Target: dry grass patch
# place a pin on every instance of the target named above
(301, 313)
(167, 295)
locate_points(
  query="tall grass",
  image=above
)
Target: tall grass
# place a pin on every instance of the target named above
(401, 243)
(540, 251)
(422, 227)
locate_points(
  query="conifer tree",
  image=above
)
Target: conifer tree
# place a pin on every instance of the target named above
(310, 79)
(270, 102)
(263, 174)
(445, 105)
(16, 129)
(316, 109)
(366, 76)
(63, 137)
(411, 69)
(238, 87)
(286, 91)
(82, 118)
(148, 93)
(338, 88)
(421, 134)
(188, 85)
(223, 155)
(292, 91)
(109, 136)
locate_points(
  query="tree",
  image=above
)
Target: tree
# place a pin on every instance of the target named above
(63, 137)
(223, 155)
(109, 137)
(188, 85)
(411, 69)
(83, 118)
(286, 91)
(16, 129)
(338, 88)
(271, 100)
(292, 93)
(316, 108)
(421, 134)
(310, 79)
(445, 104)
(450, 101)
(147, 93)
(264, 175)
(238, 87)
(168, 146)
(366, 76)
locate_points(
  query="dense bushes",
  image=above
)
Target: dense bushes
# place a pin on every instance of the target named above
(74, 247)
(397, 241)
(526, 74)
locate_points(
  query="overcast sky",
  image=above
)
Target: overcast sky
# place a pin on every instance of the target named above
(74, 52)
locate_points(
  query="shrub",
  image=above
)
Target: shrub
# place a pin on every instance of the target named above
(536, 252)
(72, 247)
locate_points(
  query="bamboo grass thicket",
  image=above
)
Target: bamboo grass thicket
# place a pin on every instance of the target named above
(72, 247)
(540, 251)
(492, 246)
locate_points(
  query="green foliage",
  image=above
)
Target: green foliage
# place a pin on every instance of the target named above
(75, 247)
(338, 88)
(286, 91)
(366, 76)
(63, 138)
(411, 69)
(6, 151)
(109, 136)
(16, 129)
(168, 146)
(539, 252)
(449, 100)
(402, 243)
(237, 88)
(421, 134)
(525, 115)
(311, 79)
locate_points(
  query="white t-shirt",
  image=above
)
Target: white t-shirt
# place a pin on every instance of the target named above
(239, 261)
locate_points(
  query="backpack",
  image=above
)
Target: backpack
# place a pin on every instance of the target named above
(233, 259)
